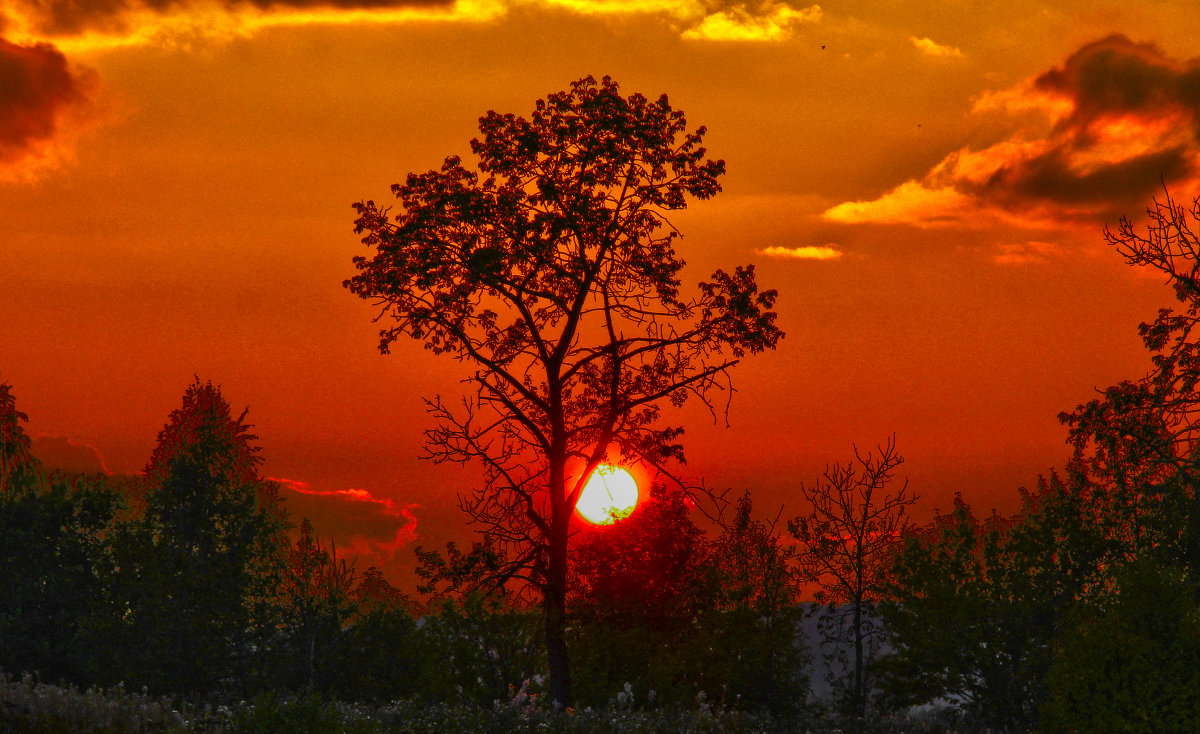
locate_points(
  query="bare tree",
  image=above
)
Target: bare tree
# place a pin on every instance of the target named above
(845, 544)
(552, 274)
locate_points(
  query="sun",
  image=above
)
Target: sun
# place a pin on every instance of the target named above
(609, 495)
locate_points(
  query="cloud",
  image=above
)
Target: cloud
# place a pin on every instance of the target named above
(1087, 141)
(370, 528)
(1027, 253)
(43, 105)
(770, 21)
(90, 24)
(78, 25)
(932, 48)
(810, 252)
(56, 18)
(910, 202)
(63, 454)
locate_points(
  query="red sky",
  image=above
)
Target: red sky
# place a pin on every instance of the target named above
(925, 183)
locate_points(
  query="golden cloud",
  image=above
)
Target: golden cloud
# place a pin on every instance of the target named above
(809, 252)
(1088, 141)
(912, 202)
(932, 48)
(78, 25)
(176, 23)
(738, 23)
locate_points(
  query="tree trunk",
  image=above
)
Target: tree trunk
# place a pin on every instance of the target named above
(554, 617)
(554, 604)
(859, 694)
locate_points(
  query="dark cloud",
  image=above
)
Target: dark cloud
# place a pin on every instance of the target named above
(1115, 75)
(71, 17)
(1050, 177)
(38, 90)
(1124, 119)
(62, 454)
(371, 528)
(1112, 85)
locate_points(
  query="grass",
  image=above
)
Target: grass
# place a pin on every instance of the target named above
(28, 706)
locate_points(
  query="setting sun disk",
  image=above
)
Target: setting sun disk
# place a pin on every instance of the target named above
(610, 494)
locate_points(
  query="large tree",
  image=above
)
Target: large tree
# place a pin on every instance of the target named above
(551, 272)
(203, 563)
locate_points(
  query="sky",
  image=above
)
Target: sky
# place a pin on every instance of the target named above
(925, 182)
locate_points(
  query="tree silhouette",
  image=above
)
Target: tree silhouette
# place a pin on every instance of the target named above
(203, 563)
(318, 601)
(846, 541)
(552, 274)
(976, 608)
(16, 457)
(1140, 441)
(52, 560)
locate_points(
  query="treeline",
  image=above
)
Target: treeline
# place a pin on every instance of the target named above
(1077, 614)
(184, 581)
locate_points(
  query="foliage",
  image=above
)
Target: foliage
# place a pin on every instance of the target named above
(380, 656)
(975, 606)
(478, 646)
(52, 558)
(1140, 441)
(659, 606)
(845, 543)
(199, 569)
(37, 708)
(1132, 664)
(551, 272)
(32, 707)
(16, 458)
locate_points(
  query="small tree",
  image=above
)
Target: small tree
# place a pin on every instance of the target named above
(318, 601)
(552, 274)
(845, 544)
(754, 650)
(16, 457)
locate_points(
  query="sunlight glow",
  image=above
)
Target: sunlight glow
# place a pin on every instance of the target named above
(610, 494)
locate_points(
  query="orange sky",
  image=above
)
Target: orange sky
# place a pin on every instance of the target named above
(925, 183)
